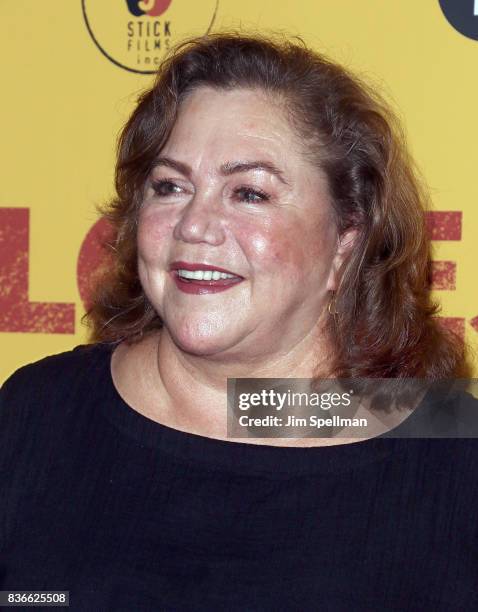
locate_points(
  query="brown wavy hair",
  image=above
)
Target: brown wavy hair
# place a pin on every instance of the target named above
(384, 324)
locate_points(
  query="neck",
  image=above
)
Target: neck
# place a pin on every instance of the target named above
(194, 387)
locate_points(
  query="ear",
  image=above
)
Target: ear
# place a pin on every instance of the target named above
(345, 243)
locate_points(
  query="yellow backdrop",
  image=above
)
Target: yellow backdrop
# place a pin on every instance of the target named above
(71, 71)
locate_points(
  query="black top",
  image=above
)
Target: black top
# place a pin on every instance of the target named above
(130, 515)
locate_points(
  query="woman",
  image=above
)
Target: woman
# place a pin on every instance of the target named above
(269, 224)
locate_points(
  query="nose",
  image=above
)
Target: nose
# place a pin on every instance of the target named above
(200, 221)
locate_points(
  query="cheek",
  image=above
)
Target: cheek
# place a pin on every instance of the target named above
(154, 232)
(293, 248)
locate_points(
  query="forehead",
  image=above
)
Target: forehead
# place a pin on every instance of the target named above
(251, 121)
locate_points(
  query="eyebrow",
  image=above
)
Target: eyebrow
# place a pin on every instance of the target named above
(226, 169)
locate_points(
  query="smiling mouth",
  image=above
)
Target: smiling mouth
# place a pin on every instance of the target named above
(208, 278)
(202, 281)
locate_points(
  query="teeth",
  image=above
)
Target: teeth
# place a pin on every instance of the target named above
(204, 274)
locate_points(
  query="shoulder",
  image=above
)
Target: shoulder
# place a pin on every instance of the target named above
(449, 409)
(452, 411)
(54, 376)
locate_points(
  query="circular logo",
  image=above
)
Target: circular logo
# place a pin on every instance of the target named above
(136, 34)
(462, 15)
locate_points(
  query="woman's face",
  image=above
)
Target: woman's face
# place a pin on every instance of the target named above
(232, 189)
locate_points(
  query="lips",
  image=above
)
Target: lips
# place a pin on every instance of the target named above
(192, 267)
(196, 286)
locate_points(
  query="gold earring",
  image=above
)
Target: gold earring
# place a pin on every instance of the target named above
(332, 308)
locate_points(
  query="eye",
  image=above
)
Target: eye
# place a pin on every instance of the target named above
(251, 196)
(164, 188)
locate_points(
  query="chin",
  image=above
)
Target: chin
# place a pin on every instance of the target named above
(201, 340)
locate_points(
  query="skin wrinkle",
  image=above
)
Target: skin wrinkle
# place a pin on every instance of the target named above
(226, 169)
(286, 248)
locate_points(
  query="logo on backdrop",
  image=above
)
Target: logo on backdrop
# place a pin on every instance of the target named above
(462, 15)
(136, 34)
(153, 8)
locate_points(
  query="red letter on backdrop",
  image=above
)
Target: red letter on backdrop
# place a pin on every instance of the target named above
(92, 258)
(446, 225)
(17, 314)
